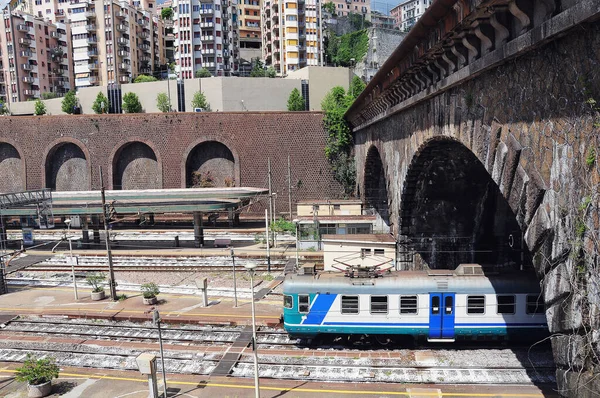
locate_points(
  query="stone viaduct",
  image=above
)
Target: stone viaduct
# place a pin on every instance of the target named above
(151, 151)
(482, 131)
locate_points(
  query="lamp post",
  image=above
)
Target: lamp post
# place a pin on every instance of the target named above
(72, 259)
(250, 267)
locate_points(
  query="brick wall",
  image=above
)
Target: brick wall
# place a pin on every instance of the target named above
(168, 140)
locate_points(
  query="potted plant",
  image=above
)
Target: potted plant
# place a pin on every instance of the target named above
(38, 373)
(149, 292)
(95, 281)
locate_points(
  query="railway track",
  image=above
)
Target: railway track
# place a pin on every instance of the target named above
(83, 344)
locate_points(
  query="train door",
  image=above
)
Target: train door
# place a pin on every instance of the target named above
(441, 316)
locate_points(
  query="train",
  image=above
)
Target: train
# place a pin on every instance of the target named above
(468, 303)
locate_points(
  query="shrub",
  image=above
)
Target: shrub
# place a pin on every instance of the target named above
(4, 108)
(40, 107)
(199, 101)
(97, 106)
(295, 101)
(166, 13)
(202, 180)
(95, 281)
(49, 95)
(122, 297)
(37, 371)
(144, 79)
(282, 225)
(149, 290)
(162, 102)
(131, 103)
(69, 103)
(203, 73)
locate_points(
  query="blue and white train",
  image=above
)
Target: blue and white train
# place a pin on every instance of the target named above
(434, 305)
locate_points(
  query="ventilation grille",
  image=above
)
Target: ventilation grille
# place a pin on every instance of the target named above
(442, 285)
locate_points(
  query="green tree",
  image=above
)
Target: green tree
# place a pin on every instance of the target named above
(166, 13)
(199, 101)
(4, 108)
(203, 73)
(295, 101)
(40, 107)
(69, 102)
(258, 68)
(162, 102)
(356, 87)
(341, 50)
(329, 7)
(271, 72)
(131, 103)
(101, 104)
(144, 79)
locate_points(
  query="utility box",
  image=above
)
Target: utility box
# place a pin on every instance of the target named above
(146, 363)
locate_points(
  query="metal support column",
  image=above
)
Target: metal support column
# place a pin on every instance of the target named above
(198, 230)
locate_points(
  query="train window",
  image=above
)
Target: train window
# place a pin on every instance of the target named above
(435, 305)
(535, 305)
(378, 252)
(408, 304)
(303, 303)
(448, 305)
(506, 304)
(379, 305)
(475, 304)
(288, 302)
(349, 304)
(365, 252)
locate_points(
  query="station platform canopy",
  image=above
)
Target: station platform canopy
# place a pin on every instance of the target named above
(188, 200)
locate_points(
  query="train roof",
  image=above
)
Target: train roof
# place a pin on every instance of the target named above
(413, 282)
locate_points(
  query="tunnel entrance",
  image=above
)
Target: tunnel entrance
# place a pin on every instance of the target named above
(452, 211)
(376, 194)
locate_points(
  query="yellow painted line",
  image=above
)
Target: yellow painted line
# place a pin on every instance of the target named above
(120, 311)
(287, 389)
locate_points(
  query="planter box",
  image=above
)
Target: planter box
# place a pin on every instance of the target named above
(39, 390)
(97, 296)
(150, 301)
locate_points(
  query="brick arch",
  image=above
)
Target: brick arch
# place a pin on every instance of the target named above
(135, 164)
(450, 204)
(66, 165)
(375, 184)
(232, 161)
(12, 168)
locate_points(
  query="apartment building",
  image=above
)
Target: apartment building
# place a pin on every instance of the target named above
(409, 12)
(382, 21)
(396, 13)
(206, 36)
(35, 57)
(345, 7)
(291, 34)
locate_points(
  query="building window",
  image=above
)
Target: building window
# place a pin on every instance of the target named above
(506, 304)
(365, 252)
(535, 305)
(288, 302)
(303, 303)
(475, 304)
(379, 304)
(349, 304)
(378, 252)
(408, 304)
(336, 207)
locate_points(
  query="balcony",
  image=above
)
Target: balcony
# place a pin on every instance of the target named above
(93, 79)
(121, 41)
(122, 28)
(144, 47)
(90, 14)
(144, 59)
(121, 14)
(207, 38)
(123, 66)
(22, 27)
(91, 27)
(26, 67)
(27, 79)
(92, 40)
(145, 35)
(59, 83)
(207, 11)
(54, 35)
(24, 41)
(124, 79)
(123, 53)
(58, 72)
(207, 25)
(92, 53)
(29, 93)
(93, 66)
(206, 51)
(25, 54)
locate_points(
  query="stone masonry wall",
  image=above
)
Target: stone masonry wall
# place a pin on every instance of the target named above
(533, 125)
(252, 137)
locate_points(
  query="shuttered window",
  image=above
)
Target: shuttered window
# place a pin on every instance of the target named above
(408, 304)
(349, 304)
(475, 304)
(379, 305)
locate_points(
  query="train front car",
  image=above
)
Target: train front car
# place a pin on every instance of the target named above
(434, 305)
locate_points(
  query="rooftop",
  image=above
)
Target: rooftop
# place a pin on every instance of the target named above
(377, 238)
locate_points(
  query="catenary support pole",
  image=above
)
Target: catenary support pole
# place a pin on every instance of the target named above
(111, 274)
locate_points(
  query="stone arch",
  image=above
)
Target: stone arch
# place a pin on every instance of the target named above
(12, 169)
(67, 166)
(453, 212)
(211, 156)
(136, 164)
(375, 184)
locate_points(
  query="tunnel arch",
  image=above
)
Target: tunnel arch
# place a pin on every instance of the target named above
(375, 184)
(136, 164)
(211, 156)
(453, 212)
(67, 166)
(12, 169)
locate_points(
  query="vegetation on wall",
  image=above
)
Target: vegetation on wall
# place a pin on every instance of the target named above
(341, 50)
(101, 104)
(295, 101)
(339, 147)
